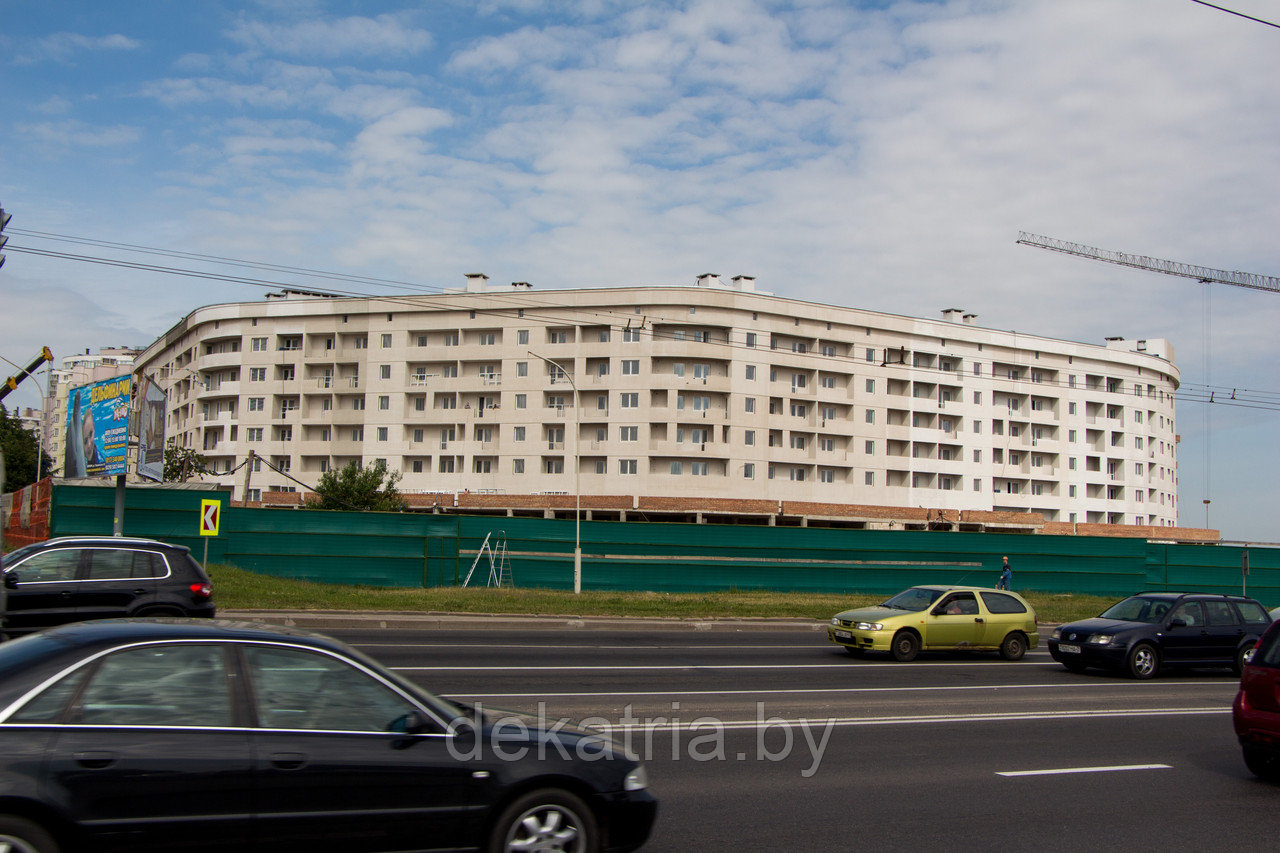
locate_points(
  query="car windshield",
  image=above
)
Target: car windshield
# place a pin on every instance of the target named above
(1138, 609)
(913, 600)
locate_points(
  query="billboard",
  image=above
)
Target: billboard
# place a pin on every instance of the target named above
(97, 434)
(151, 400)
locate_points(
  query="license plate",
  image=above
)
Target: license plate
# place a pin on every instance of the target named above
(845, 635)
(1069, 649)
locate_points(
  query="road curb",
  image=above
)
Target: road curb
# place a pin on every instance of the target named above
(400, 621)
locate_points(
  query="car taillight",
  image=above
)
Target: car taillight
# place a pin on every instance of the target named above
(202, 590)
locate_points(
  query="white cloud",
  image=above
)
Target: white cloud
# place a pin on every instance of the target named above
(78, 134)
(61, 47)
(388, 34)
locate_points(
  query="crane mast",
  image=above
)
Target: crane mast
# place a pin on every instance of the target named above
(1142, 262)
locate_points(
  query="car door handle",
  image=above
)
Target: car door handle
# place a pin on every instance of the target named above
(95, 760)
(979, 620)
(288, 760)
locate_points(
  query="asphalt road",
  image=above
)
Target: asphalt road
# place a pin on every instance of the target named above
(759, 740)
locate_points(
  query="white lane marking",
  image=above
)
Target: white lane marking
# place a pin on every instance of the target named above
(1064, 770)
(704, 723)
(832, 690)
(885, 667)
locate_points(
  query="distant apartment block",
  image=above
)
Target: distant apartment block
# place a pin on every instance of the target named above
(715, 390)
(77, 370)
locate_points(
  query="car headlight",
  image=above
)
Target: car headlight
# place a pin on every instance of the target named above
(1057, 633)
(1101, 639)
(637, 780)
(870, 626)
(835, 620)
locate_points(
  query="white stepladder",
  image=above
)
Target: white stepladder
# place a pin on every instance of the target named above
(499, 565)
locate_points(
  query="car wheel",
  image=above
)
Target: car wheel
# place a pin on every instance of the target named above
(1261, 764)
(906, 646)
(148, 612)
(1013, 647)
(1243, 655)
(546, 820)
(19, 835)
(1144, 661)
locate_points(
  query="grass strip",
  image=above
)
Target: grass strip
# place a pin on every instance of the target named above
(236, 589)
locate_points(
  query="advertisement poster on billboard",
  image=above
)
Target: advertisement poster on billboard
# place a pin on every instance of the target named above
(98, 429)
(151, 400)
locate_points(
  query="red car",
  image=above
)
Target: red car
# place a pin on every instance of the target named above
(1256, 711)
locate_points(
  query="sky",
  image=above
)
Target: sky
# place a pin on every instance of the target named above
(880, 155)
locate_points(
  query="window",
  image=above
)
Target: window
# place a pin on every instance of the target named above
(171, 684)
(827, 444)
(749, 437)
(977, 455)
(977, 427)
(258, 344)
(629, 433)
(677, 467)
(626, 466)
(631, 400)
(384, 370)
(869, 448)
(677, 368)
(517, 465)
(382, 433)
(751, 339)
(698, 469)
(287, 405)
(482, 466)
(451, 339)
(447, 465)
(253, 434)
(384, 403)
(518, 433)
(631, 367)
(797, 474)
(870, 356)
(828, 413)
(357, 433)
(749, 405)
(799, 410)
(751, 372)
(522, 338)
(826, 475)
(827, 381)
(362, 342)
(749, 471)
(386, 341)
(521, 401)
(871, 416)
(998, 602)
(296, 689)
(630, 336)
(286, 373)
(797, 442)
(257, 374)
(869, 478)
(257, 404)
(871, 386)
(554, 466)
(357, 403)
(488, 339)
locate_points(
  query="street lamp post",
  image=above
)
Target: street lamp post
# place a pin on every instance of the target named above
(577, 475)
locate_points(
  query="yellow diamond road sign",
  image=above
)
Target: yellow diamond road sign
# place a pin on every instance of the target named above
(210, 513)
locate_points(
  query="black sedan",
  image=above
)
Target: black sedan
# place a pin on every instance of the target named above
(168, 733)
(1153, 630)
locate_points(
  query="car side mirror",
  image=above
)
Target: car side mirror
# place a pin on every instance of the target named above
(1177, 623)
(10, 580)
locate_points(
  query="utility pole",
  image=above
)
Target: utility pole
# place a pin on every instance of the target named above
(248, 472)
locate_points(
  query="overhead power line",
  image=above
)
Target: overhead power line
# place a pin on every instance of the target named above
(1237, 14)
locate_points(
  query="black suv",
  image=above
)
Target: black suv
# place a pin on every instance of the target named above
(74, 578)
(1151, 630)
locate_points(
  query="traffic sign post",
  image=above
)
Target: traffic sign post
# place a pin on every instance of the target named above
(210, 516)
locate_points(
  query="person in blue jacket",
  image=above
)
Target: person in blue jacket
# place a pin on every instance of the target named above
(1006, 574)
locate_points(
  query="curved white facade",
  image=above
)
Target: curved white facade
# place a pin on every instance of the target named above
(710, 391)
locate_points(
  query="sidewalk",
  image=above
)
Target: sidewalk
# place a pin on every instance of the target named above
(331, 620)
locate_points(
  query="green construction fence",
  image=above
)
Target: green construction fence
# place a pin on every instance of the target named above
(426, 550)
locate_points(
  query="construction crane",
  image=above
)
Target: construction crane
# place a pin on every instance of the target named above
(11, 383)
(1205, 275)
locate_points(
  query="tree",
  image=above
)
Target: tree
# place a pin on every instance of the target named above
(353, 487)
(182, 463)
(22, 454)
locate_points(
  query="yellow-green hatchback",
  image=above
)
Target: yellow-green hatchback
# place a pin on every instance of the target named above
(939, 618)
